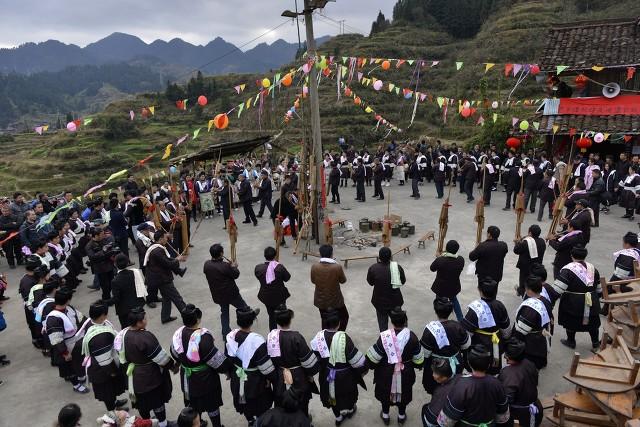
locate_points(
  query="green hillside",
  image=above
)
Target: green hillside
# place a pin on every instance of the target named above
(514, 31)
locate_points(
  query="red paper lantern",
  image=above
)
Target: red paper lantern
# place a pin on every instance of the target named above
(386, 65)
(221, 121)
(180, 105)
(581, 81)
(202, 100)
(513, 143)
(466, 112)
(347, 92)
(535, 69)
(326, 72)
(357, 101)
(584, 143)
(77, 122)
(145, 112)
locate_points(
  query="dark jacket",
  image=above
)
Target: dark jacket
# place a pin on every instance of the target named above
(596, 191)
(123, 289)
(532, 180)
(546, 193)
(265, 190)
(9, 223)
(490, 256)
(469, 171)
(244, 193)
(563, 249)
(100, 256)
(524, 260)
(384, 296)
(221, 277)
(448, 270)
(118, 224)
(160, 268)
(274, 293)
(28, 233)
(334, 176)
(513, 179)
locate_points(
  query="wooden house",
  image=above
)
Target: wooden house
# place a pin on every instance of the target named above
(586, 56)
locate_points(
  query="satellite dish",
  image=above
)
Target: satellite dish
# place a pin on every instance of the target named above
(611, 90)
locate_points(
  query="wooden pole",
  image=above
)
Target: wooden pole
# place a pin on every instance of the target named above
(386, 228)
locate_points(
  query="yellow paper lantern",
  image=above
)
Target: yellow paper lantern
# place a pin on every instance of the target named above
(266, 83)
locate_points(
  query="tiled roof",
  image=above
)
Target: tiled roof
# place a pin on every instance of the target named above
(607, 124)
(581, 45)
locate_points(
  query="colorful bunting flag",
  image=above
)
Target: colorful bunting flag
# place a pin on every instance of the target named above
(196, 133)
(627, 138)
(606, 136)
(597, 68)
(167, 152)
(181, 140)
(132, 115)
(210, 124)
(488, 66)
(434, 63)
(459, 65)
(561, 68)
(240, 109)
(514, 120)
(507, 69)
(152, 110)
(516, 69)
(630, 72)
(555, 129)
(38, 130)
(536, 125)
(410, 61)
(87, 121)
(116, 175)
(45, 128)
(440, 101)
(495, 117)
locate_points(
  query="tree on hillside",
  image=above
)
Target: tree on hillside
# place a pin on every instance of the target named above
(380, 24)
(174, 92)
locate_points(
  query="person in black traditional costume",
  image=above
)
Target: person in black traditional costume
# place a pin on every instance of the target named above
(446, 380)
(342, 367)
(487, 320)
(201, 362)
(287, 414)
(394, 358)
(253, 369)
(443, 339)
(295, 363)
(148, 366)
(623, 264)
(272, 275)
(520, 381)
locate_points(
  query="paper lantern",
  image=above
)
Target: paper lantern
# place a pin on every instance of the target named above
(598, 138)
(77, 122)
(221, 121)
(408, 94)
(326, 72)
(535, 69)
(305, 91)
(180, 105)
(306, 68)
(173, 169)
(524, 125)
(287, 80)
(495, 104)
(202, 100)
(378, 117)
(513, 143)
(466, 112)
(347, 92)
(266, 83)
(378, 85)
(145, 112)
(71, 127)
(357, 101)
(584, 143)
(386, 65)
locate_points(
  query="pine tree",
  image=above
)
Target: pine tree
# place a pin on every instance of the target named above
(380, 24)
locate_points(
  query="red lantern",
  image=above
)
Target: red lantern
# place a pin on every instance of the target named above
(535, 69)
(513, 143)
(145, 112)
(180, 105)
(584, 143)
(202, 100)
(347, 92)
(77, 122)
(581, 81)
(466, 112)
(378, 117)
(357, 101)
(386, 65)
(221, 121)
(326, 72)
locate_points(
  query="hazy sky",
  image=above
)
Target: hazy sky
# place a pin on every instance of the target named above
(196, 21)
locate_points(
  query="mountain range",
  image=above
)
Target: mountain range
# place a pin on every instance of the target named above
(224, 57)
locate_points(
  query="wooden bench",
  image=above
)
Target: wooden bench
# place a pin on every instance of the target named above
(306, 254)
(340, 222)
(357, 258)
(404, 249)
(431, 235)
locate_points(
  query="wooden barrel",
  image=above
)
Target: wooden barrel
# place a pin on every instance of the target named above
(364, 225)
(395, 229)
(404, 232)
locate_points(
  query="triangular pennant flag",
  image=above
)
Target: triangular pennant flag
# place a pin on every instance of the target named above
(440, 101)
(516, 69)
(627, 138)
(606, 136)
(184, 103)
(248, 103)
(210, 124)
(488, 66)
(38, 130)
(423, 96)
(360, 75)
(561, 68)
(410, 61)
(152, 110)
(572, 131)
(555, 129)
(182, 139)
(276, 78)
(45, 128)
(597, 68)
(378, 60)
(87, 121)
(480, 121)
(397, 91)
(495, 117)
(630, 72)
(242, 86)
(459, 65)
(196, 133)
(434, 63)
(132, 115)
(507, 69)
(237, 88)
(514, 120)
(344, 70)
(240, 109)
(344, 59)
(536, 125)
(400, 62)
(255, 101)
(116, 175)
(473, 103)
(167, 152)
(391, 87)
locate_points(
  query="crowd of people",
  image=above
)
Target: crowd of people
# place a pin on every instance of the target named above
(480, 369)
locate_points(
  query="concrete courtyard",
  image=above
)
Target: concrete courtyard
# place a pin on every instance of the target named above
(33, 393)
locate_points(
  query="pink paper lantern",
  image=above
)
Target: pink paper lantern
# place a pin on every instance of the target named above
(378, 85)
(71, 127)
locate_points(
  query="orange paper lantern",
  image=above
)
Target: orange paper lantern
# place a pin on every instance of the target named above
(221, 121)
(466, 112)
(357, 101)
(287, 80)
(145, 112)
(202, 100)
(386, 65)
(326, 72)
(347, 92)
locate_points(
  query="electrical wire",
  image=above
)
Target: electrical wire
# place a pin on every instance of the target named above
(235, 48)
(339, 24)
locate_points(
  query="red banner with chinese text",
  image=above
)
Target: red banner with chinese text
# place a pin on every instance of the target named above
(626, 105)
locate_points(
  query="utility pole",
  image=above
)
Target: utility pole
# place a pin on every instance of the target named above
(318, 210)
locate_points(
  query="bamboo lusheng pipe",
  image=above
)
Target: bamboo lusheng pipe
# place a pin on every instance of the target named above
(558, 206)
(479, 218)
(444, 222)
(520, 210)
(386, 228)
(232, 229)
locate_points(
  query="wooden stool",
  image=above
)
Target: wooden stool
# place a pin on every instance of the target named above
(431, 235)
